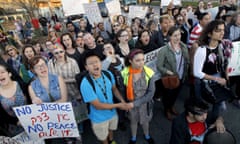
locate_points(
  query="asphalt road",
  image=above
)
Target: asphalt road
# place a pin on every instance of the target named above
(160, 127)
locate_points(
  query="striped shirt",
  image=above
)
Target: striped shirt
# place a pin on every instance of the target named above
(196, 32)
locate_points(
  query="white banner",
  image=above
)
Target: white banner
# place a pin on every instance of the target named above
(23, 138)
(151, 61)
(213, 11)
(93, 13)
(137, 11)
(114, 8)
(47, 120)
(73, 7)
(234, 62)
(166, 2)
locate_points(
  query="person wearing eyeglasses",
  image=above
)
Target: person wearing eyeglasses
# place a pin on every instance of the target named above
(15, 59)
(66, 67)
(191, 126)
(46, 87)
(116, 27)
(99, 40)
(122, 47)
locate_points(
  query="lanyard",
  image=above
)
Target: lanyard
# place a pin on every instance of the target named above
(103, 89)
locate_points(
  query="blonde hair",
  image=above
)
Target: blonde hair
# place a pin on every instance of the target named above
(11, 46)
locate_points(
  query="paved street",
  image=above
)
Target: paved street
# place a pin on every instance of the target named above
(160, 127)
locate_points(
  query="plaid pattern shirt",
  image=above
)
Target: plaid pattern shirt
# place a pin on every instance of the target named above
(68, 70)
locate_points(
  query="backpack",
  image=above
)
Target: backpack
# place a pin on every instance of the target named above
(79, 77)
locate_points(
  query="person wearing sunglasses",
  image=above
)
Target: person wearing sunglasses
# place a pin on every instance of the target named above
(15, 59)
(193, 124)
(99, 40)
(66, 67)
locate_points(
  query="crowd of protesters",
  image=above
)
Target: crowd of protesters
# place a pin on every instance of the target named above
(117, 81)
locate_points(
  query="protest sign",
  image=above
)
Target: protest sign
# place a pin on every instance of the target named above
(151, 61)
(213, 11)
(234, 61)
(137, 11)
(114, 8)
(73, 7)
(166, 2)
(47, 120)
(93, 13)
(23, 138)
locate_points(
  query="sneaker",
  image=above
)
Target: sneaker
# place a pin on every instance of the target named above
(132, 142)
(150, 141)
(112, 142)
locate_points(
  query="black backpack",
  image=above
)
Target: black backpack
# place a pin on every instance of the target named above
(79, 77)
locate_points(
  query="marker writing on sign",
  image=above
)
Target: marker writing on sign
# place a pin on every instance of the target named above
(54, 107)
(51, 133)
(40, 118)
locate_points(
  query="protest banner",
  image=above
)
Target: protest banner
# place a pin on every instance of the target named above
(234, 61)
(137, 11)
(166, 2)
(73, 7)
(151, 61)
(213, 11)
(47, 120)
(23, 138)
(114, 8)
(93, 13)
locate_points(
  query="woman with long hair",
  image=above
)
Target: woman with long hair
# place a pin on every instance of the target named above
(28, 52)
(210, 66)
(70, 48)
(140, 87)
(144, 42)
(12, 94)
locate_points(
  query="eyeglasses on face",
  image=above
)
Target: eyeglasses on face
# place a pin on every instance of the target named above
(115, 25)
(38, 67)
(9, 49)
(100, 41)
(58, 52)
(125, 35)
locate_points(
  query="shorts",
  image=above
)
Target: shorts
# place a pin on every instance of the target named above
(101, 130)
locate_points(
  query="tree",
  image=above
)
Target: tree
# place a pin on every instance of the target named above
(29, 5)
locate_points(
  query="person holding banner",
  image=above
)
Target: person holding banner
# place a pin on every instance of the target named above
(140, 87)
(46, 87)
(12, 94)
(173, 59)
